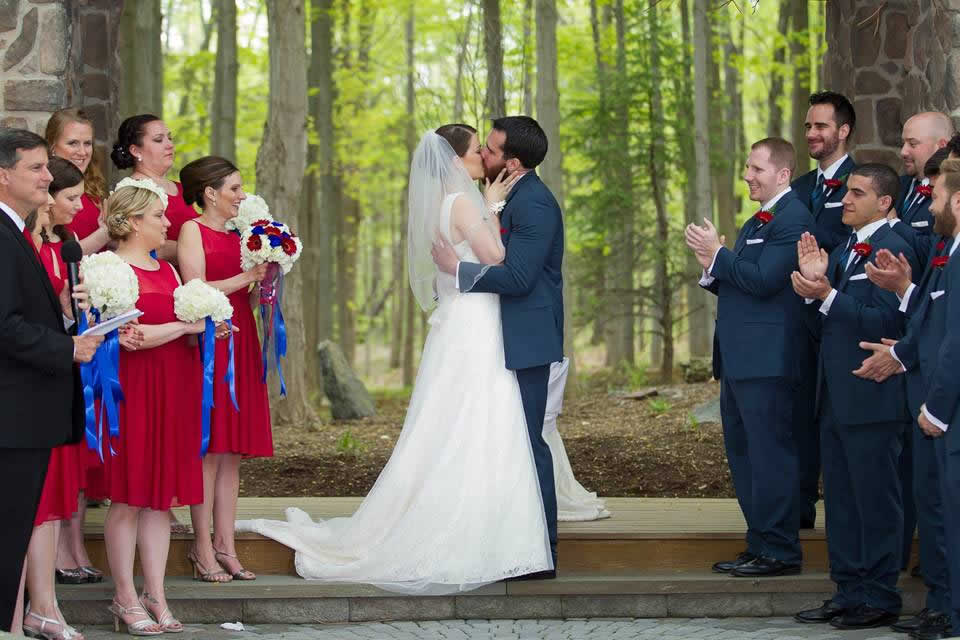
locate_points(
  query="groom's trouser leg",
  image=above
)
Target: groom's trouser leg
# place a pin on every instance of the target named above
(533, 393)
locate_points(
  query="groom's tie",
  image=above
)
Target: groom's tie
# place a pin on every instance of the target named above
(817, 196)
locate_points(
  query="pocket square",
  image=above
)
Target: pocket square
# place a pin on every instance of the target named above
(832, 205)
(920, 223)
(936, 294)
(859, 276)
(754, 240)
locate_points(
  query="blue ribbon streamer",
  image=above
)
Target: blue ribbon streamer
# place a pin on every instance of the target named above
(208, 351)
(278, 326)
(101, 381)
(88, 374)
(230, 377)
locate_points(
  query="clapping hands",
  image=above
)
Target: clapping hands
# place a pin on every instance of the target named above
(705, 241)
(811, 280)
(891, 273)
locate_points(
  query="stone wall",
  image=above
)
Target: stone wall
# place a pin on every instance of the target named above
(57, 53)
(893, 59)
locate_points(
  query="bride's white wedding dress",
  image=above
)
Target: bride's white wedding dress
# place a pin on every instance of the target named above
(458, 504)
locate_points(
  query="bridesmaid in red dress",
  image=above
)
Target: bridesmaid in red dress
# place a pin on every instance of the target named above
(144, 144)
(209, 252)
(70, 136)
(61, 488)
(157, 463)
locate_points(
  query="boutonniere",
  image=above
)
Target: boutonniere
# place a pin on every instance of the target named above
(763, 217)
(833, 184)
(939, 262)
(941, 245)
(503, 231)
(863, 249)
(924, 190)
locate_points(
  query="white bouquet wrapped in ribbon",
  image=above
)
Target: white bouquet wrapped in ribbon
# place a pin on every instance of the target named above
(253, 208)
(197, 300)
(111, 282)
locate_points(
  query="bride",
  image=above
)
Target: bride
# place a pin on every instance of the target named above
(458, 503)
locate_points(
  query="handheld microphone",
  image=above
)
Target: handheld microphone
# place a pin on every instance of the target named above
(72, 254)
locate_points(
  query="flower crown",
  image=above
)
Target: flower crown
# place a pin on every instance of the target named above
(147, 184)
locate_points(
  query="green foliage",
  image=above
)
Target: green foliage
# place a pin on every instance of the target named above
(659, 405)
(349, 445)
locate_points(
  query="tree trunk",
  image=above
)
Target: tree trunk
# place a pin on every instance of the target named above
(281, 161)
(595, 256)
(461, 61)
(702, 307)
(551, 171)
(140, 47)
(410, 304)
(399, 292)
(730, 136)
(223, 120)
(800, 62)
(527, 58)
(188, 77)
(774, 108)
(664, 294)
(495, 104)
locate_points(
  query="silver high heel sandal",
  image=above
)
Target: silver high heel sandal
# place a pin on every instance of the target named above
(167, 622)
(137, 627)
(46, 628)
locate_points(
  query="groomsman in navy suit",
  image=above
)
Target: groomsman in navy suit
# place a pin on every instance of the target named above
(862, 423)
(923, 134)
(924, 304)
(829, 126)
(755, 347)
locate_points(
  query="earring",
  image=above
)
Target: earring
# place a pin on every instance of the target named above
(137, 158)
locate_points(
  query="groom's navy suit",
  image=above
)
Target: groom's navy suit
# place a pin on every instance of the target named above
(862, 427)
(758, 336)
(916, 221)
(917, 351)
(531, 310)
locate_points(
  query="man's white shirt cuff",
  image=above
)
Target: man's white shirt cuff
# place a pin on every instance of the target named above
(825, 307)
(937, 422)
(893, 354)
(905, 300)
(456, 277)
(706, 279)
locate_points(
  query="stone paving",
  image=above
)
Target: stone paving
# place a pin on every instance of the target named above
(573, 629)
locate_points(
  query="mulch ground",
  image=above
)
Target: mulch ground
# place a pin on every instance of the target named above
(617, 447)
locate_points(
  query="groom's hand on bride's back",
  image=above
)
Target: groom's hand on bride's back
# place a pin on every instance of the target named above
(444, 256)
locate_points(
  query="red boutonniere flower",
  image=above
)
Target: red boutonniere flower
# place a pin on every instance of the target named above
(503, 231)
(863, 249)
(941, 245)
(939, 262)
(924, 190)
(763, 217)
(833, 183)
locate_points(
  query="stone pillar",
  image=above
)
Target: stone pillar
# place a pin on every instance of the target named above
(58, 53)
(892, 59)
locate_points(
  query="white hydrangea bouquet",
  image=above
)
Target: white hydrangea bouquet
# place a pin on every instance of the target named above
(253, 208)
(196, 300)
(111, 283)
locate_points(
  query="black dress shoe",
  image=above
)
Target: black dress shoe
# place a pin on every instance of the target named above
(808, 523)
(825, 613)
(763, 567)
(864, 617)
(550, 574)
(915, 572)
(910, 625)
(730, 565)
(935, 627)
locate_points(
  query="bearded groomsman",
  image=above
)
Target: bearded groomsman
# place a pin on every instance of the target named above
(830, 123)
(862, 423)
(924, 305)
(922, 135)
(754, 350)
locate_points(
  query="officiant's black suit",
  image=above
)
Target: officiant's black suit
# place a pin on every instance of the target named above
(40, 398)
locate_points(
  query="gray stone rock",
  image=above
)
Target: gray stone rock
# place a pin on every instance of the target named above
(507, 607)
(294, 610)
(717, 605)
(95, 46)
(9, 14)
(53, 29)
(369, 609)
(95, 85)
(24, 42)
(697, 370)
(708, 412)
(349, 399)
(33, 95)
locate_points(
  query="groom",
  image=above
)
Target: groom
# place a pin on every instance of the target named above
(528, 282)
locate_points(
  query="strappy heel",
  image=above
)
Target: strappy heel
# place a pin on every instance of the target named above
(137, 627)
(45, 630)
(165, 619)
(242, 574)
(201, 573)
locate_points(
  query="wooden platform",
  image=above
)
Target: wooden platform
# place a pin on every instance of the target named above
(644, 535)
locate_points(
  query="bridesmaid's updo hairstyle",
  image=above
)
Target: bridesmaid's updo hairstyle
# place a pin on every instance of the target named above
(208, 171)
(122, 205)
(130, 133)
(458, 135)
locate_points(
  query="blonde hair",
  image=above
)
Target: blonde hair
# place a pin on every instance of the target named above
(94, 184)
(122, 205)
